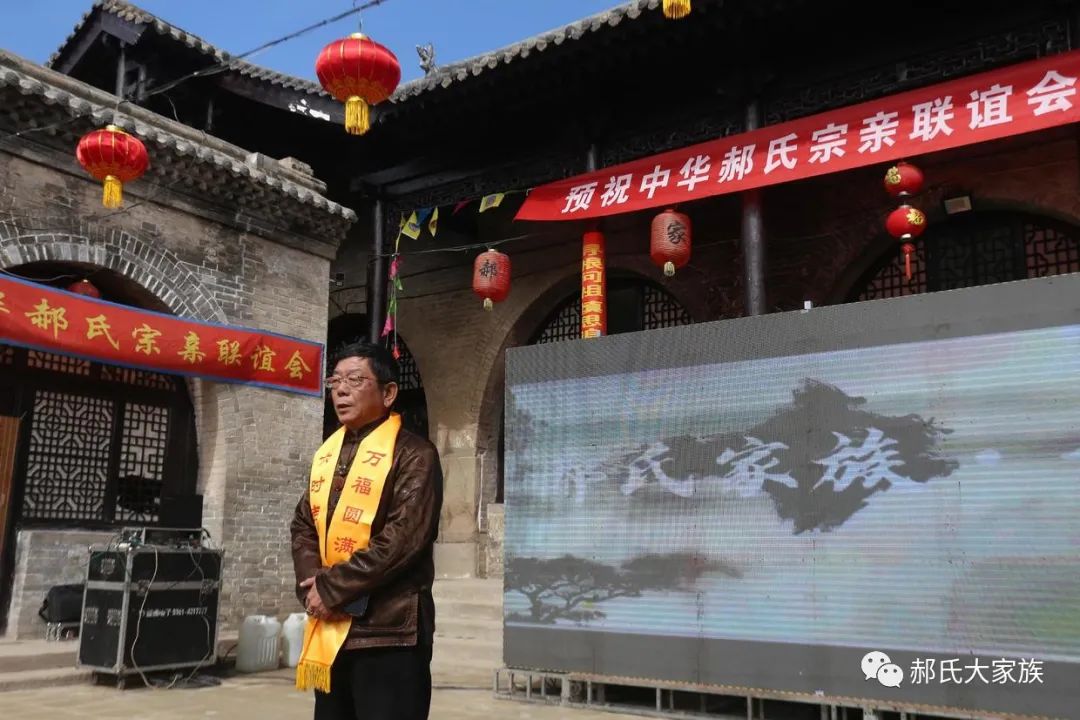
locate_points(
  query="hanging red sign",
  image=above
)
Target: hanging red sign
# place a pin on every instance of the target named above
(42, 318)
(593, 286)
(1013, 100)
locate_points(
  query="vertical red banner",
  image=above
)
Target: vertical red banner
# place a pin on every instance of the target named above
(593, 286)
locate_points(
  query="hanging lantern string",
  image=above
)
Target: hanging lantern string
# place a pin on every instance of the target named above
(212, 70)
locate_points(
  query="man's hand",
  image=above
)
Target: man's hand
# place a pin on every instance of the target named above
(315, 606)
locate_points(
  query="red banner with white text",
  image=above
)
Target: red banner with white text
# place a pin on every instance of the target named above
(43, 318)
(1012, 100)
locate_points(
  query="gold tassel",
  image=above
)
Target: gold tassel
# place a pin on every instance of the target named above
(669, 269)
(113, 196)
(676, 9)
(313, 676)
(357, 116)
(488, 304)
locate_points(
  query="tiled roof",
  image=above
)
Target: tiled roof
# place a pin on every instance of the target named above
(223, 161)
(442, 77)
(465, 69)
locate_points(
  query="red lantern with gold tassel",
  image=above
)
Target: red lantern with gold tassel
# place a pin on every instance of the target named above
(906, 223)
(84, 287)
(676, 9)
(358, 72)
(903, 179)
(669, 245)
(113, 157)
(491, 277)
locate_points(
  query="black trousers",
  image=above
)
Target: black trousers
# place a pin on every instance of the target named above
(378, 684)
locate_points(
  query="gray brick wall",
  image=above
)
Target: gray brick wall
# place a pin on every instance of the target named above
(254, 444)
(45, 558)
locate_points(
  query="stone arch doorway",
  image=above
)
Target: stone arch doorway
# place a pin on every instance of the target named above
(979, 248)
(411, 402)
(635, 303)
(93, 446)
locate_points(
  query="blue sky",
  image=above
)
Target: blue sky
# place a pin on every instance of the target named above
(457, 28)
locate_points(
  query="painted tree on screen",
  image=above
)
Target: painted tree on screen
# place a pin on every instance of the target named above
(521, 428)
(820, 458)
(569, 587)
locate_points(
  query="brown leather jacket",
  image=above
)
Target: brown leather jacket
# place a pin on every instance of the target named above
(395, 572)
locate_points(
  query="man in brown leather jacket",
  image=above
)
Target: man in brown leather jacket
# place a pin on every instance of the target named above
(382, 672)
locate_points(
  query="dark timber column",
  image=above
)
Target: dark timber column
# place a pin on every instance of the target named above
(121, 71)
(753, 233)
(376, 281)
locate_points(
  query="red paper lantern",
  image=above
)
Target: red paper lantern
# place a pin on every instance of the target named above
(359, 72)
(84, 287)
(113, 157)
(903, 179)
(669, 244)
(906, 222)
(491, 277)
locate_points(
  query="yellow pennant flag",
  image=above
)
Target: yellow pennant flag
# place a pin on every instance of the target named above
(433, 223)
(412, 227)
(491, 201)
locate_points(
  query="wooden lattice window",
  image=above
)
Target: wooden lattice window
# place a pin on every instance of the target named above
(632, 305)
(977, 249)
(103, 444)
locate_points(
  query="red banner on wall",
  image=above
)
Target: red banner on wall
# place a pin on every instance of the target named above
(593, 286)
(1017, 99)
(42, 318)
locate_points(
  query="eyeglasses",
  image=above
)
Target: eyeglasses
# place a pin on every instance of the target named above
(353, 381)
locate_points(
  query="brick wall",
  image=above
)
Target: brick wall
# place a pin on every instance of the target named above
(254, 444)
(44, 558)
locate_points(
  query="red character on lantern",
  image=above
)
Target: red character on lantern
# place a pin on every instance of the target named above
(491, 277)
(669, 245)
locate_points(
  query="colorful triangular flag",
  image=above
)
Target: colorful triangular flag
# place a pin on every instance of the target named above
(412, 227)
(433, 223)
(491, 201)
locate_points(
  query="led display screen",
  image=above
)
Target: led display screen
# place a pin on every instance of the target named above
(877, 500)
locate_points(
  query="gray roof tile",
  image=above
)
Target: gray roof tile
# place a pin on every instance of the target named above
(442, 77)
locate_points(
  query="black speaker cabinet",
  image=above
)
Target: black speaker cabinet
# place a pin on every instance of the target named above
(149, 608)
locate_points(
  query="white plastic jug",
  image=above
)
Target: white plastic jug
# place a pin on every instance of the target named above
(292, 638)
(260, 647)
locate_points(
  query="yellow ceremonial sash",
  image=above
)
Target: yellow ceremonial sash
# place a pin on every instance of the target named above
(350, 531)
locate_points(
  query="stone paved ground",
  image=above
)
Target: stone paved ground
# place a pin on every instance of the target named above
(261, 697)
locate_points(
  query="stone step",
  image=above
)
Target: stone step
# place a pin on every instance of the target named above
(27, 655)
(49, 677)
(461, 648)
(467, 628)
(468, 590)
(456, 670)
(456, 610)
